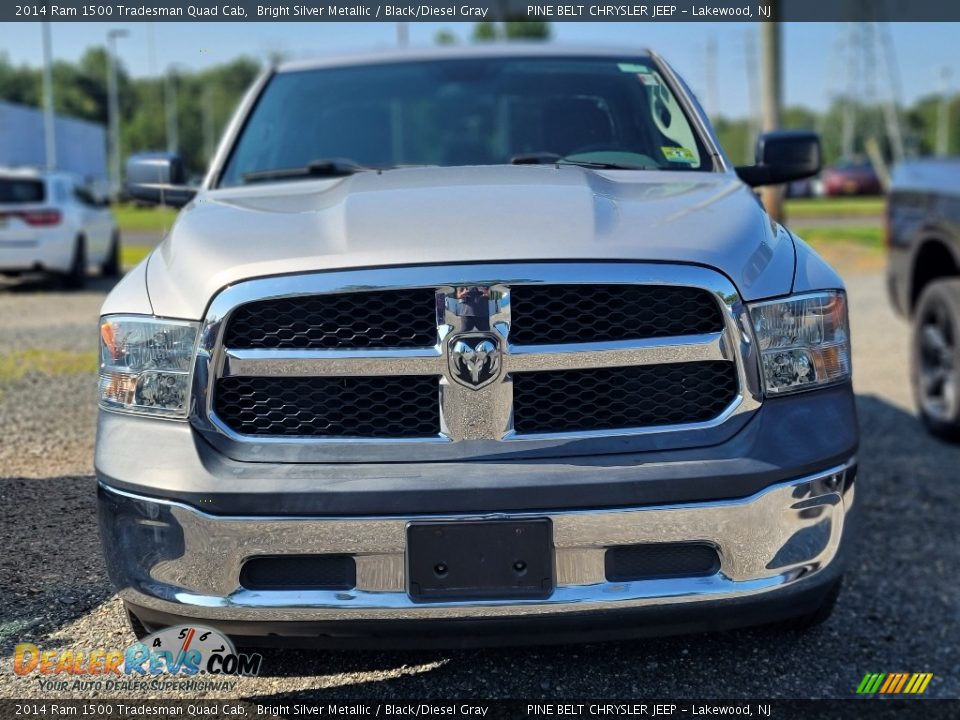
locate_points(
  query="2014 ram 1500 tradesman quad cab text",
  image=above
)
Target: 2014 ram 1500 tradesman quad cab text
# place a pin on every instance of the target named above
(470, 345)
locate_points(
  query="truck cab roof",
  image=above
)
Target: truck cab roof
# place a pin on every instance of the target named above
(491, 50)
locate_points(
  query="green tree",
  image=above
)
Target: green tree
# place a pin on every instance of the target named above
(527, 30)
(735, 138)
(444, 37)
(489, 31)
(145, 129)
(923, 123)
(486, 31)
(799, 118)
(205, 103)
(20, 85)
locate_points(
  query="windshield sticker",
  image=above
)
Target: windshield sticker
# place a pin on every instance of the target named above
(633, 68)
(678, 154)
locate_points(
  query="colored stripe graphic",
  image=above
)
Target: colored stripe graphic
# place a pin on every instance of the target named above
(892, 680)
(870, 683)
(918, 683)
(894, 683)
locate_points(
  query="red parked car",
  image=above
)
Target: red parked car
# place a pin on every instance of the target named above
(851, 177)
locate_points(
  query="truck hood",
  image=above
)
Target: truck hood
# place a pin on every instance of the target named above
(458, 215)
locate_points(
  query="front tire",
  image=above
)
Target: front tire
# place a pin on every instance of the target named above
(111, 265)
(134, 622)
(76, 277)
(935, 358)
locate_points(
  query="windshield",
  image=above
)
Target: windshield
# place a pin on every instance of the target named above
(485, 111)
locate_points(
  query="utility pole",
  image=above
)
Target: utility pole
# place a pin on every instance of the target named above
(849, 127)
(943, 114)
(151, 50)
(771, 98)
(208, 123)
(113, 110)
(173, 119)
(750, 50)
(173, 139)
(159, 88)
(49, 119)
(891, 106)
(711, 72)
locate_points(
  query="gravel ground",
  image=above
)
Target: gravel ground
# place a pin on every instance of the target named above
(898, 610)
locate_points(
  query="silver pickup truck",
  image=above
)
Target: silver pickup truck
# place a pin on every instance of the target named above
(483, 345)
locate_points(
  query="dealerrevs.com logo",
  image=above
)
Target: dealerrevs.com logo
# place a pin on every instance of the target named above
(162, 660)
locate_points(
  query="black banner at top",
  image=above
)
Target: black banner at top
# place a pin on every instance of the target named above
(476, 10)
(273, 708)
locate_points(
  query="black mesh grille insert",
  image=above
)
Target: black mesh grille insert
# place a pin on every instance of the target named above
(381, 407)
(547, 314)
(660, 560)
(392, 318)
(299, 572)
(611, 398)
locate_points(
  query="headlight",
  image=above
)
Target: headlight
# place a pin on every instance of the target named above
(804, 341)
(146, 364)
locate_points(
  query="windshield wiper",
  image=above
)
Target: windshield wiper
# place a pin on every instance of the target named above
(333, 167)
(607, 165)
(549, 158)
(536, 158)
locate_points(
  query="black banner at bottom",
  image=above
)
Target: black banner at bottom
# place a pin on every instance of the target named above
(274, 709)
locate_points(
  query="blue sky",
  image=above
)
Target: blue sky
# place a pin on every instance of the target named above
(814, 63)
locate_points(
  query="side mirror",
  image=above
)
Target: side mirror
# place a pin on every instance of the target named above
(158, 178)
(783, 156)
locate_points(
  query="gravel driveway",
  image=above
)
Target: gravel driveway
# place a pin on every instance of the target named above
(898, 610)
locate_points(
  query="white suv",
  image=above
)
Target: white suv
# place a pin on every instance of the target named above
(53, 222)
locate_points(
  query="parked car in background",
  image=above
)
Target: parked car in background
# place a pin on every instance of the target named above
(52, 222)
(923, 236)
(851, 177)
(456, 344)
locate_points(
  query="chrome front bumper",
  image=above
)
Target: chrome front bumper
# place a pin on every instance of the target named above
(171, 558)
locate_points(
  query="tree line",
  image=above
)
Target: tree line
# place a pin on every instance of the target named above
(918, 127)
(206, 99)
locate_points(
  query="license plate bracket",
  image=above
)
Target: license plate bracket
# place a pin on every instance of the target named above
(480, 560)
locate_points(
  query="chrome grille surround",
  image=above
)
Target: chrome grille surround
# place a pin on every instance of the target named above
(476, 422)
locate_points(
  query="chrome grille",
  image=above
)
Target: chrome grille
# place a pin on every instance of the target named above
(393, 319)
(619, 357)
(541, 314)
(616, 398)
(367, 407)
(653, 561)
